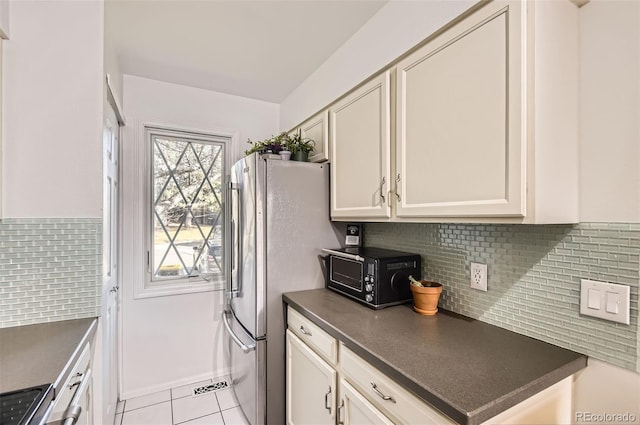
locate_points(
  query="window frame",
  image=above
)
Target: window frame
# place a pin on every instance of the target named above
(148, 286)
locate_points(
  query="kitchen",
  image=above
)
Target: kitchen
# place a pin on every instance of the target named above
(64, 87)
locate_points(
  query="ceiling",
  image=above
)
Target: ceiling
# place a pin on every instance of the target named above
(258, 49)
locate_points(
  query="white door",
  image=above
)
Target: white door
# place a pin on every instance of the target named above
(360, 152)
(316, 128)
(356, 410)
(110, 284)
(459, 147)
(311, 386)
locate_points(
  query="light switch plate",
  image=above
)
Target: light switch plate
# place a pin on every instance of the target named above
(607, 301)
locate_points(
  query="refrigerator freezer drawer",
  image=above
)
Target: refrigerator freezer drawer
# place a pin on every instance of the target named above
(247, 358)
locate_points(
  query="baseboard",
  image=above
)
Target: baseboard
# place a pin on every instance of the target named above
(126, 395)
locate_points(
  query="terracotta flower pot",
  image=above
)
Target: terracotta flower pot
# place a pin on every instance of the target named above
(426, 298)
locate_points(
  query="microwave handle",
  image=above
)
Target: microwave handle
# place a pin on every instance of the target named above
(343, 255)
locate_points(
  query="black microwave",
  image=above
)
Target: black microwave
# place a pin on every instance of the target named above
(375, 277)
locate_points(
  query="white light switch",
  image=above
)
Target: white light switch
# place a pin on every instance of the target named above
(594, 299)
(612, 302)
(608, 301)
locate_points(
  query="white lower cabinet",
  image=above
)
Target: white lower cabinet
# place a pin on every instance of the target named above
(354, 409)
(386, 394)
(327, 386)
(311, 385)
(73, 403)
(365, 395)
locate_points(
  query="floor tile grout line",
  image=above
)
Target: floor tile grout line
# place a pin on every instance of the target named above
(172, 415)
(171, 399)
(124, 404)
(198, 417)
(147, 405)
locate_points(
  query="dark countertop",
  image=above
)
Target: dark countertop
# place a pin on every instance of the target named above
(41, 354)
(468, 369)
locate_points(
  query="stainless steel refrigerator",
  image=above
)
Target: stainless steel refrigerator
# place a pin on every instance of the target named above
(279, 223)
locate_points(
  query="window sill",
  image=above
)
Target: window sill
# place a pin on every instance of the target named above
(155, 289)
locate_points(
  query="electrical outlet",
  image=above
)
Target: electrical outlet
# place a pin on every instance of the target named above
(479, 276)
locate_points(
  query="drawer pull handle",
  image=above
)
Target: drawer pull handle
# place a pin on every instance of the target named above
(326, 400)
(340, 420)
(75, 384)
(304, 331)
(382, 396)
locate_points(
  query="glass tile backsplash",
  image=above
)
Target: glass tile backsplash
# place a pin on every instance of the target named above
(534, 274)
(50, 269)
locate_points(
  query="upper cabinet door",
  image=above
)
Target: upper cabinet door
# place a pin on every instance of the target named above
(360, 151)
(460, 147)
(316, 128)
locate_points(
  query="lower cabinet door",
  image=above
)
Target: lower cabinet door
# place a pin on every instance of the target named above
(356, 410)
(311, 386)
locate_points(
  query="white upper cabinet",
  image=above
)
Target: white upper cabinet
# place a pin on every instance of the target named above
(316, 128)
(459, 137)
(485, 125)
(487, 118)
(360, 152)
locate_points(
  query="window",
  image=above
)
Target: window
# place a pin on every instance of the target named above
(186, 234)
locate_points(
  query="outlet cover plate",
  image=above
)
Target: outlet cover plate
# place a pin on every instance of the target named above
(479, 276)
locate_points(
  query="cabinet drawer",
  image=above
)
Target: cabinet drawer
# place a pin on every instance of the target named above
(323, 343)
(386, 394)
(65, 393)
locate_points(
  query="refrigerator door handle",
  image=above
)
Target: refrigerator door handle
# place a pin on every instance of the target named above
(244, 347)
(233, 291)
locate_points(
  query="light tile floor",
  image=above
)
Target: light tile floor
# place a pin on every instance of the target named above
(179, 406)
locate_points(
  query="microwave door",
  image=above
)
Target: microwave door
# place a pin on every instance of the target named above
(347, 273)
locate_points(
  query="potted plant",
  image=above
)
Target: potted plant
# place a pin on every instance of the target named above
(426, 295)
(274, 145)
(300, 147)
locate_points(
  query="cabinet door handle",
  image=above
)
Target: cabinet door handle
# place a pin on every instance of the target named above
(340, 420)
(304, 331)
(382, 198)
(326, 400)
(382, 396)
(397, 184)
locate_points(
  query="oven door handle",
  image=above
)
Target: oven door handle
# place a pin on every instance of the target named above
(343, 255)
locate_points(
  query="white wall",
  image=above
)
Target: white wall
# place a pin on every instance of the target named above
(111, 58)
(609, 162)
(52, 87)
(4, 19)
(173, 340)
(397, 27)
(610, 111)
(603, 388)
